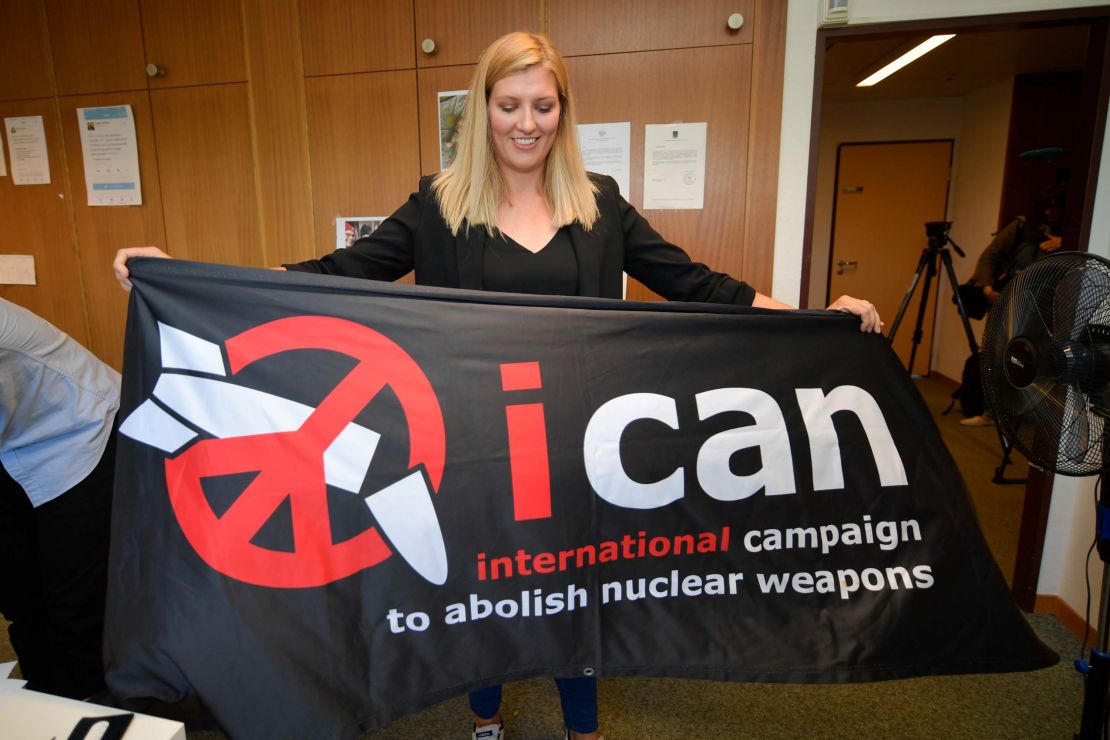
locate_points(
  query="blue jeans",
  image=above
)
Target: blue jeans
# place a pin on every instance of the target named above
(577, 695)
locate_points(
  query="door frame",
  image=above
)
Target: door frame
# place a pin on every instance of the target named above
(1096, 94)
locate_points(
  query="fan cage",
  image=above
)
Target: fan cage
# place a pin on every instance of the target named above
(1055, 414)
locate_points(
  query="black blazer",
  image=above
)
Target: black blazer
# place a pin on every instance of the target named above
(417, 238)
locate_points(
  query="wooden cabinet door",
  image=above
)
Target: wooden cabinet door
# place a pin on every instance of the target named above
(195, 42)
(345, 36)
(24, 46)
(362, 144)
(580, 27)
(611, 88)
(103, 230)
(97, 47)
(36, 221)
(206, 171)
(461, 31)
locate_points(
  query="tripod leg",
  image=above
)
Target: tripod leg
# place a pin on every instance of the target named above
(946, 258)
(921, 263)
(921, 308)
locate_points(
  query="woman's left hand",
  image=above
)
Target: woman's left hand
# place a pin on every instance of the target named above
(869, 316)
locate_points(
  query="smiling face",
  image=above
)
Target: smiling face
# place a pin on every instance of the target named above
(523, 119)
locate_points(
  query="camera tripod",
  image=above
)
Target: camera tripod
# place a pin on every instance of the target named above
(937, 248)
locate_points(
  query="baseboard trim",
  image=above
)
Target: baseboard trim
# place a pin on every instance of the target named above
(1074, 623)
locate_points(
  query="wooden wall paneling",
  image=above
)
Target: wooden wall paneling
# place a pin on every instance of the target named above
(679, 90)
(345, 36)
(24, 46)
(97, 47)
(431, 82)
(203, 139)
(461, 31)
(365, 158)
(764, 134)
(280, 131)
(196, 42)
(582, 27)
(101, 230)
(35, 220)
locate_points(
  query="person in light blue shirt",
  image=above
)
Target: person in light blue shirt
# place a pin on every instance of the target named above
(58, 406)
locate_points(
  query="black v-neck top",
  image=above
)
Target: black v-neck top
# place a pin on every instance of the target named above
(510, 268)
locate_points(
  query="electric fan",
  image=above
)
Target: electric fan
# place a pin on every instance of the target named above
(1046, 373)
(1046, 362)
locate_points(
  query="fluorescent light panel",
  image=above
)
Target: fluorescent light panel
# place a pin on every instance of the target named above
(910, 56)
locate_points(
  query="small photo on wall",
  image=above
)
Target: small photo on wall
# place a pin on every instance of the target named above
(452, 103)
(349, 229)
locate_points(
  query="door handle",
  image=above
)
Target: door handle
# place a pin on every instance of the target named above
(841, 264)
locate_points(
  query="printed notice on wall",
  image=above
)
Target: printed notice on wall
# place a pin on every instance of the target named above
(17, 269)
(27, 150)
(606, 150)
(674, 165)
(111, 156)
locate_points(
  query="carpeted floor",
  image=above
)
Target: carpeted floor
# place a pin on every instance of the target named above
(1039, 704)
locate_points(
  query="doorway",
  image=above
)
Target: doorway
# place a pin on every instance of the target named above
(987, 55)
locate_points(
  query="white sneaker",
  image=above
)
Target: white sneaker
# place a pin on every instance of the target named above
(489, 732)
(982, 420)
(566, 735)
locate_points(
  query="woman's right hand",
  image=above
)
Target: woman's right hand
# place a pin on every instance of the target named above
(119, 264)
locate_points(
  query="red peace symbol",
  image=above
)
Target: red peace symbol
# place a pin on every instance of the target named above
(291, 464)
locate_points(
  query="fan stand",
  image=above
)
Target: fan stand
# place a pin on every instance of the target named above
(938, 247)
(1097, 668)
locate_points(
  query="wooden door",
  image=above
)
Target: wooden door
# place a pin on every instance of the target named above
(581, 27)
(885, 193)
(461, 31)
(206, 169)
(194, 42)
(24, 52)
(346, 36)
(97, 47)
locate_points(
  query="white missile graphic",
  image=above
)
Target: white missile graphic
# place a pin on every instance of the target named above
(403, 510)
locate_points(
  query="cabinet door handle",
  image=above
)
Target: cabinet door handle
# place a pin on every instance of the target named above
(428, 46)
(841, 264)
(735, 21)
(154, 70)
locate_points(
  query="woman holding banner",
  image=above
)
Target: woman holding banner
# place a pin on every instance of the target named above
(517, 212)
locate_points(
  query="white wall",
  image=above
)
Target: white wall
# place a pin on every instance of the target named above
(973, 202)
(1071, 519)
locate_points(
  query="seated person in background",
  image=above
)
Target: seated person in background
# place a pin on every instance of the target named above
(1017, 245)
(58, 406)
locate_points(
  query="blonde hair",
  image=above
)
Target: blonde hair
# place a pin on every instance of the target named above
(471, 188)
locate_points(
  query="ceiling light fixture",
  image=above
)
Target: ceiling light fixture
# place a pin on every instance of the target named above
(910, 56)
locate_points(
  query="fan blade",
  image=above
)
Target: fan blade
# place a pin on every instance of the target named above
(1080, 295)
(1075, 431)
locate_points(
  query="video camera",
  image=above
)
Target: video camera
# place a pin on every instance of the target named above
(938, 230)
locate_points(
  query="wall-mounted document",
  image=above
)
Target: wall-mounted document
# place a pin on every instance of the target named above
(606, 150)
(27, 150)
(674, 165)
(17, 269)
(111, 156)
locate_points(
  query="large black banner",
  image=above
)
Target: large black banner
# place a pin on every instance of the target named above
(340, 501)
